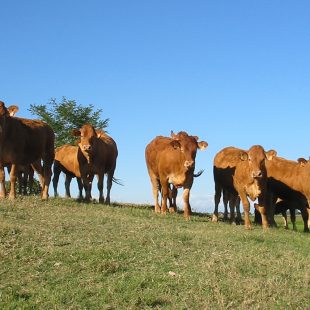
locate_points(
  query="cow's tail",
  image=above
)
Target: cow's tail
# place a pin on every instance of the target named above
(117, 181)
(198, 174)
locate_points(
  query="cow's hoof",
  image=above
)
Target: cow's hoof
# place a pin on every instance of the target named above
(214, 218)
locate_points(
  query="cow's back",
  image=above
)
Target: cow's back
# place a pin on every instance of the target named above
(67, 156)
(224, 166)
(286, 178)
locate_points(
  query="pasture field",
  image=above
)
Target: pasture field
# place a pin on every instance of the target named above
(62, 254)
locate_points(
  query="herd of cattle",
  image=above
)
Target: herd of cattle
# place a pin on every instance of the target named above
(275, 183)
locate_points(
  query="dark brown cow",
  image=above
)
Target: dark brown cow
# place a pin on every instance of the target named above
(96, 155)
(290, 181)
(239, 172)
(23, 142)
(172, 161)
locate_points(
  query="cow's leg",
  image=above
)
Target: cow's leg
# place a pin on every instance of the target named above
(30, 179)
(47, 170)
(232, 205)
(225, 202)
(305, 213)
(174, 194)
(217, 199)
(56, 174)
(246, 208)
(80, 186)
(262, 210)
(284, 216)
(100, 187)
(165, 192)
(293, 218)
(269, 203)
(239, 217)
(67, 185)
(186, 193)
(187, 206)
(21, 182)
(155, 189)
(87, 183)
(37, 166)
(2, 182)
(14, 169)
(109, 186)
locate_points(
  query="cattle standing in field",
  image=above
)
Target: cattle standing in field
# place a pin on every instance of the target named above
(290, 181)
(95, 154)
(172, 161)
(23, 142)
(243, 173)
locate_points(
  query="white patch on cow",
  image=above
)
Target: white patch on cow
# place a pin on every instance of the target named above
(253, 190)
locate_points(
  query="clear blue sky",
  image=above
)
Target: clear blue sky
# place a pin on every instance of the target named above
(232, 72)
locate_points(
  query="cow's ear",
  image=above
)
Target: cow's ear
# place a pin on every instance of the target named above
(175, 144)
(196, 138)
(76, 132)
(270, 154)
(302, 162)
(3, 109)
(13, 109)
(202, 145)
(244, 156)
(173, 135)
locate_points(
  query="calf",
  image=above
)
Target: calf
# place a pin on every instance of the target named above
(172, 161)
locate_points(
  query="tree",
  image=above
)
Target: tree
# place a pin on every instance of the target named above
(67, 115)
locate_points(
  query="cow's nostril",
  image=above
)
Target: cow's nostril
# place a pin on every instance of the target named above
(257, 174)
(189, 163)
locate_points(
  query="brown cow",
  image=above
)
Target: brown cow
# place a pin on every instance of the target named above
(290, 181)
(239, 172)
(172, 161)
(66, 161)
(23, 142)
(96, 155)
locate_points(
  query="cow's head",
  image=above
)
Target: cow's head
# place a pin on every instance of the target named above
(302, 161)
(256, 157)
(3, 115)
(88, 138)
(187, 145)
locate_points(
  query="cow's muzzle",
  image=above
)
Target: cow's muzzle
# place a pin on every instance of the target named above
(189, 164)
(86, 147)
(257, 174)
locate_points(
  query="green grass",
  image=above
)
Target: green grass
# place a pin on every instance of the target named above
(62, 254)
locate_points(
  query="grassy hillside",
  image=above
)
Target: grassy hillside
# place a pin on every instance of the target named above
(62, 254)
